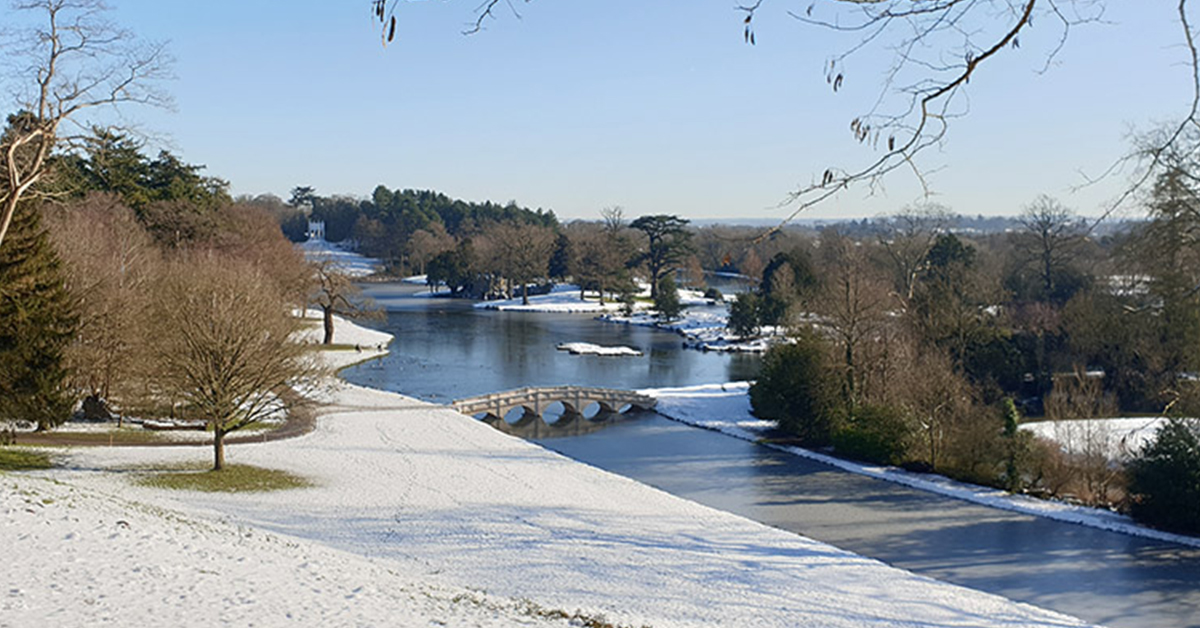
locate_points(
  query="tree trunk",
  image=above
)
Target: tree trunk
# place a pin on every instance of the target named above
(524, 293)
(328, 316)
(218, 448)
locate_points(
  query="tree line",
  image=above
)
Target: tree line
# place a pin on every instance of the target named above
(138, 286)
(914, 345)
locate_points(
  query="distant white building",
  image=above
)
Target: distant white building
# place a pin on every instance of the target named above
(316, 230)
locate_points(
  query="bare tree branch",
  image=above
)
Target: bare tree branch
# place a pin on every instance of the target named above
(76, 61)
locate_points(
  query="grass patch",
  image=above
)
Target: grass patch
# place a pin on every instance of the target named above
(234, 478)
(114, 436)
(21, 459)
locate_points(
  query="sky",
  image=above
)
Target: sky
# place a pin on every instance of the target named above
(656, 107)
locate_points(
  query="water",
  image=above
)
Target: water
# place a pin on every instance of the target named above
(1103, 577)
(446, 350)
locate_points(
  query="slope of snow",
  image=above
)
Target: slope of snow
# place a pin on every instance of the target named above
(77, 557)
(726, 408)
(348, 262)
(414, 507)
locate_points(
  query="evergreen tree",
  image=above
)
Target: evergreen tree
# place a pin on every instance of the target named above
(1164, 478)
(37, 322)
(666, 302)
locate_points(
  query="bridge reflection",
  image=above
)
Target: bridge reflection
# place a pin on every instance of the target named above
(531, 426)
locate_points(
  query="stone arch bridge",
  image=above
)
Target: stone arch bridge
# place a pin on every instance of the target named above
(575, 401)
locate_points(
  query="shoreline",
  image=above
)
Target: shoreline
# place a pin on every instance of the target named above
(445, 501)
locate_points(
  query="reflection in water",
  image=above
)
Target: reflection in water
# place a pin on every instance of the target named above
(533, 427)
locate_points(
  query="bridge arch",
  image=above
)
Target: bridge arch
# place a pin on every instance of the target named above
(577, 403)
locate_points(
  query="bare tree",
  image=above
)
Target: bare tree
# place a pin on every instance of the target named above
(522, 253)
(111, 263)
(853, 307)
(335, 293)
(225, 345)
(908, 238)
(74, 61)
(934, 49)
(1051, 239)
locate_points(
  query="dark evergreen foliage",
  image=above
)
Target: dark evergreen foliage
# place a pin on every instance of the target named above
(666, 302)
(669, 242)
(794, 388)
(37, 322)
(1164, 479)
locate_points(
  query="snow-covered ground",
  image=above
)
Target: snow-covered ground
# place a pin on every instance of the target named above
(414, 510)
(562, 299)
(1117, 438)
(348, 262)
(726, 408)
(702, 328)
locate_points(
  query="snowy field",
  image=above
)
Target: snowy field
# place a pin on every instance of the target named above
(1117, 438)
(415, 511)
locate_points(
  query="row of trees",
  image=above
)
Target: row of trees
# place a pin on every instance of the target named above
(144, 289)
(909, 345)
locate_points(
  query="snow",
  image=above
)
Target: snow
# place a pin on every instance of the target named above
(79, 557)
(587, 348)
(1117, 438)
(348, 262)
(413, 511)
(562, 299)
(704, 330)
(726, 408)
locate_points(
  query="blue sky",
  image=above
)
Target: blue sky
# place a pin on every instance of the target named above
(658, 107)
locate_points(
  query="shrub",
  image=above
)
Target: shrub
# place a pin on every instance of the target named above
(794, 389)
(876, 434)
(712, 294)
(1164, 478)
(744, 315)
(666, 301)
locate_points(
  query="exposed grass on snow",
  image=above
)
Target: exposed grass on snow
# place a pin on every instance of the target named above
(22, 459)
(234, 478)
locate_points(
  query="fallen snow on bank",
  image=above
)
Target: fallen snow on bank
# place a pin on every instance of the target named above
(348, 262)
(413, 504)
(703, 329)
(562, 299)
(587, 348)
(726, 408)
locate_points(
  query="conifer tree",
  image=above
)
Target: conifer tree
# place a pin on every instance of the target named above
(37, 322)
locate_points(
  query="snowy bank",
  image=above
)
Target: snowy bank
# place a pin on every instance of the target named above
(726, 408)
(562, 299)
